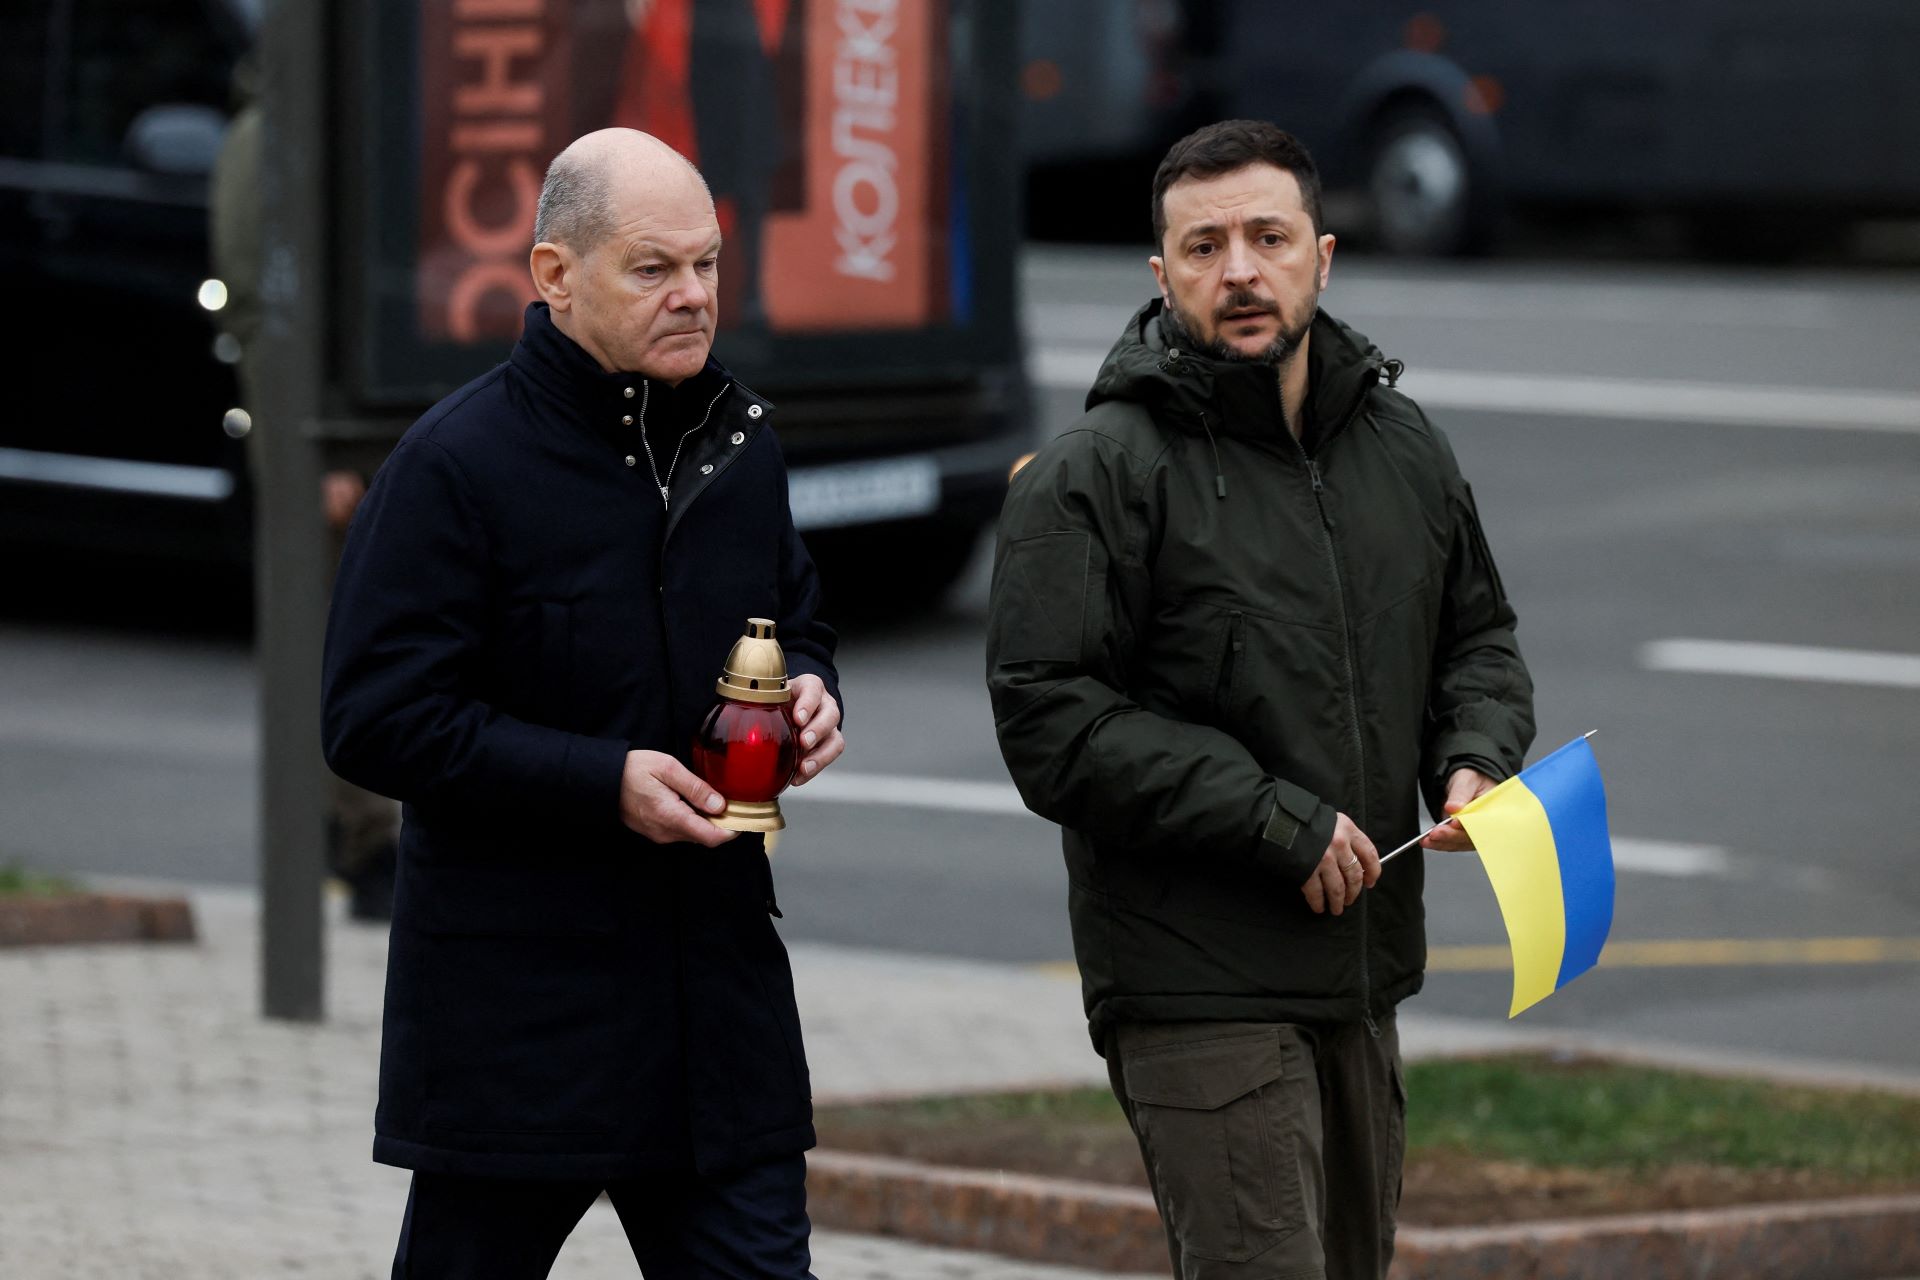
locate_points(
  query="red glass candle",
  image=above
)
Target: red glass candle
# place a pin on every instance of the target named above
(746, 748)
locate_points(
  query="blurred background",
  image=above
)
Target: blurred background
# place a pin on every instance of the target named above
(1653, 269)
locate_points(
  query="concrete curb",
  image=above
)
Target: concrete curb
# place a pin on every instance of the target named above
(80, 918)
(1018, 1215)
(1117, 1229)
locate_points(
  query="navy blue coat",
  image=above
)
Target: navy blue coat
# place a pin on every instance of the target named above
(516, 608)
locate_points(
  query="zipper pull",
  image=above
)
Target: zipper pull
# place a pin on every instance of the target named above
(1219, 472)
(1313, 473)
(1373, 1028)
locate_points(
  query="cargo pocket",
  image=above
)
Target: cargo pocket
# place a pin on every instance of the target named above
(1218, 1121)
(1394, 1183)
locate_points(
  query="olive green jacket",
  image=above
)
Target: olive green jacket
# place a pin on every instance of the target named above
(1205, 641)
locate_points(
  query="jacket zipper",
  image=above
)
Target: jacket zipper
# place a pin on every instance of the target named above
(673, 517)
(1229, 661)
(665, 486)
(720, 465)
(1353, 695)
(666, 505)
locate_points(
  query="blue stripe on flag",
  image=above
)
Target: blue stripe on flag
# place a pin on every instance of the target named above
(1567, 784)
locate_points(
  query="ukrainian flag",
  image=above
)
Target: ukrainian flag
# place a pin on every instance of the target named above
(1542, 836)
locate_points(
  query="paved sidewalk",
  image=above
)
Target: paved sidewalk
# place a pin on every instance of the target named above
(153, 1126)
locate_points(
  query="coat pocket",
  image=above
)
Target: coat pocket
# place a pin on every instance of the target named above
(523, 1035)
(521, 1011)
(1219, 1120)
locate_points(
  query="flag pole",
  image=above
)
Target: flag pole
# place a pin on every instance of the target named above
(1447, 821)
(1416, 840)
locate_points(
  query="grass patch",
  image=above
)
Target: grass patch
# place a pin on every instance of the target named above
(16, 879)
(1490, 1139)
(1592, 1114)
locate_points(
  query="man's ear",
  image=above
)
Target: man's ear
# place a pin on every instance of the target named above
(553, 266)
(1159, 265)
(1326, 258)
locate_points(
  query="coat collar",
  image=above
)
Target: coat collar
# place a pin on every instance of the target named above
(1232, 398)
(609, 402)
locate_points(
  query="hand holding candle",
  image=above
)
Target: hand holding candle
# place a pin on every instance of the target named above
(816, 716)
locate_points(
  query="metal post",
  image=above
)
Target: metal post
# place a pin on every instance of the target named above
(290, 542)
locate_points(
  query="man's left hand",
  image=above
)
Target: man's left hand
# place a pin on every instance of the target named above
(1463, 786)
(817, 716)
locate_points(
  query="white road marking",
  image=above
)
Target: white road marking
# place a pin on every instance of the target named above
(162, 479)
(1666, 858)
(1450, 300)
(887, 791)
(1611, 304)
(1650, 857)
(1632, 399)
(1065, 368)
(1661, 400)
(1783, 662)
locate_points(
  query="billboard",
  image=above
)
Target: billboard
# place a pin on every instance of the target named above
(841, 140)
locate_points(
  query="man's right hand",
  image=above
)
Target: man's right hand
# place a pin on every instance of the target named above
(663, 800)
(340, 495)
(1350, 864)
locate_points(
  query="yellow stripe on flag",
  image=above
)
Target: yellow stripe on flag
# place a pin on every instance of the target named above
(1515, 841)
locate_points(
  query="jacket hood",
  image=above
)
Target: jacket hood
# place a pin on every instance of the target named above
(1197, 393)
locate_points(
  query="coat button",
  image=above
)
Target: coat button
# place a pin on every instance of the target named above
(629, 459)
(753, 411)
(627, 421)
(707, 469)
(739, 437)
(628, 392)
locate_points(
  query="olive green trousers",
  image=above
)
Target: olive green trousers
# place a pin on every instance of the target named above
(1273, 1149)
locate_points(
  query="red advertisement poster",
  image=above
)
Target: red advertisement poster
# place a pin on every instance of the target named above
(867, 247)
(820, 125)
(495, 107)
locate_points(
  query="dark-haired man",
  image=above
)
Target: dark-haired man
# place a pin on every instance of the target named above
(584, 990)
(1243, 616)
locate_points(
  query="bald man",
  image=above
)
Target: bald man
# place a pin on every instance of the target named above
(585, 992)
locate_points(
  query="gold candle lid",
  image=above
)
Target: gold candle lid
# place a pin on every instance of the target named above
(756, 670)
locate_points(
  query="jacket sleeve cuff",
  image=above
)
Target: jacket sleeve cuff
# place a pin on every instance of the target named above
(1470, 748)
(1462, 749)
(590, 777)
(1297, 833)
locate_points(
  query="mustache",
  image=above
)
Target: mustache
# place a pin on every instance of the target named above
(1245, 300)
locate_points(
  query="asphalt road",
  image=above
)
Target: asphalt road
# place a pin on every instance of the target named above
(1674, 465)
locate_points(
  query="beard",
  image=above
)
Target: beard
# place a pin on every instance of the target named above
(1179, 329)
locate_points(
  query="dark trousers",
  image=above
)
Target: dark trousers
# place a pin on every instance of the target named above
(1274, 1150)
(750, 1225)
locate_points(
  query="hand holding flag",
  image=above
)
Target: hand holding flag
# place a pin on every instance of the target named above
(1464, 786)
(1542, 836)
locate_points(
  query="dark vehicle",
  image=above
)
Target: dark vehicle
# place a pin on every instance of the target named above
(855, 153)
(111, 113)
(1446, 114)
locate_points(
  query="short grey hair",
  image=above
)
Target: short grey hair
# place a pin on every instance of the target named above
(576, 204)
